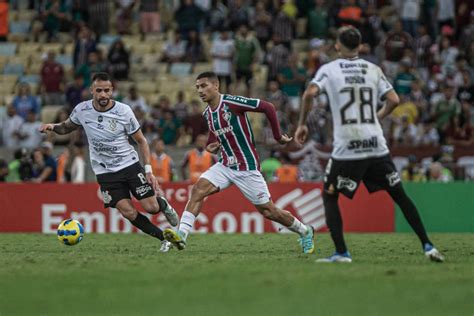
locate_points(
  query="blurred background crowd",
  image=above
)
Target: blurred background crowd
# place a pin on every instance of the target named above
(266, 49)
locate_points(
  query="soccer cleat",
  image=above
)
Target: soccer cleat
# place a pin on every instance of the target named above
(337, 257)
(175, 237)
(433, 254)
(165, 246)
(170, 213)
(307, 242)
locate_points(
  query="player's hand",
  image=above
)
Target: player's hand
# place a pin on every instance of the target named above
(301, 134)
(46, 128)
(152, 181)
(213, 147)
(285, 139)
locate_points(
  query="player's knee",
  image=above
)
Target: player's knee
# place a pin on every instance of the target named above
(128, 212)
(198, 193)
(269, 212)
(151, 207)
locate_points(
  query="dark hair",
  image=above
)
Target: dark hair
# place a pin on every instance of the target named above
(349, 36)
(101, 76)
(208, 74)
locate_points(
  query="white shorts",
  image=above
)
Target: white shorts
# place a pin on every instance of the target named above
(250, 183)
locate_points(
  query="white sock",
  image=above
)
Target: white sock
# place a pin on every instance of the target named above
(187, 223)
(298, 227)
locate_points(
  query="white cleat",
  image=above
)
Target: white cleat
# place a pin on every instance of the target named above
(170, 213)
(337, 257)
(434, 255)
(165, 246)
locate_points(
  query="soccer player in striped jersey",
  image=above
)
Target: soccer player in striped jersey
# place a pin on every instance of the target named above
(239, 164)
(360, 152)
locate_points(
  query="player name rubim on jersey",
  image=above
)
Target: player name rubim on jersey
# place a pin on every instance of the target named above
(234, 132)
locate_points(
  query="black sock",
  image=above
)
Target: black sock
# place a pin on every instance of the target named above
(143, 223)
(410, 212)
(334, 221)
(161, 203)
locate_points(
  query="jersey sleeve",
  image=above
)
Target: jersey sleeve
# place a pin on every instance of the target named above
(383, 85)
(74, 116)
(132, 125)
(321, 78)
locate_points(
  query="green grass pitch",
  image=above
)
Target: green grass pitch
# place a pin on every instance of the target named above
(233, 275)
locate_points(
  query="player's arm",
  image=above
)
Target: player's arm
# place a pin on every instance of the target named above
(62, 128)
(391, 102)
(308, 96)
(269, 110)
(144, 150)
(213, 144)
(184, 165)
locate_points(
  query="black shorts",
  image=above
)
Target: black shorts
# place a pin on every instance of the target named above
(345, 175)
(246, 74)
(118, 185)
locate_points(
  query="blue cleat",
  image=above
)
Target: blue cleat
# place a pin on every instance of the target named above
(307, 241)
(337, 257)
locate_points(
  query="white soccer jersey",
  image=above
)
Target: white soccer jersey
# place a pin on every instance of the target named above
(107, 133)
(353, 87)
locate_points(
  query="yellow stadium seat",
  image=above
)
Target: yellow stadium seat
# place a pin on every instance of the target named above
(49, 112)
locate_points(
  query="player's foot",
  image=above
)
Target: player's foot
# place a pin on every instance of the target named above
(170, 213)
(175, 237)
(306, 241)
(433, 254)
(337, 257)
(165, 246)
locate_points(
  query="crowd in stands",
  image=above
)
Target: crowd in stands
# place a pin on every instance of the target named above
(260, 48)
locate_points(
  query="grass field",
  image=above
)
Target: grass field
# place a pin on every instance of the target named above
(233, 275)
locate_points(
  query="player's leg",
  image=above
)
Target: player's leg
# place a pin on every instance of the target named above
(383, 175)
(150, 201)
(341, 177)
(210, 182)
(126, 208)
(270, 211)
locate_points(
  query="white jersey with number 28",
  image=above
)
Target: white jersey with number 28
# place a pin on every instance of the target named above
(107, 133)
(353, 87)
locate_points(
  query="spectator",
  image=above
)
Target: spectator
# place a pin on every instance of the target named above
(446, 13)
(55, 12)
(28, 134)
(20, 169)
(66, 139)
(149, 16)
(94, 65)
(422, 46)
(263, 23)
(188, 17)
(222, 52)
(10, 126)
(282, 105)
(438, 173)
(197, 160)
(318, 20)
(44, 165)
(124, 15)
(287, 172)
(410, 15)
(405, 133)
(350, 14)
(78, 167)
(3, 170)
(136, 101)
(462, 133)
(217, 16)
(63, 173)
(270, 165)
(195, 122)
(238, 15)
(194, 49)
(446, 55)
(85, 45)
(75, 92)
(466, 91)
(181, 106)
(174, 50)
(396, 43)
(405, 77)
(276, 57)
(162, 164)
(118, 59)
(247, 52)
(168, 127)
(99, 16)
(284, 27)
(428, 134)
(52, 81)
(292, 79)
(446, 112)
(24, 102)
(413, 172)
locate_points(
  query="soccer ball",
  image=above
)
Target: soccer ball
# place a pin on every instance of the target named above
(70, 232)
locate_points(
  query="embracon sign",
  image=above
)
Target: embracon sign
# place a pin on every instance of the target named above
(226, 212)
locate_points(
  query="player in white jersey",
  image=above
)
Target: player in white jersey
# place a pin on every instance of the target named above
(360, 153)
(108, 124)
(231, 134)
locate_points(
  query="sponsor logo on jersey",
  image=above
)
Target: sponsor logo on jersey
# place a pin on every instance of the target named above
(347, 183)
(100, 119)
(144, 189)
(132, 124)
(352, 65)
(236, 98)
(224, 130)
(86, 108)
(393, 178)
(363, 143)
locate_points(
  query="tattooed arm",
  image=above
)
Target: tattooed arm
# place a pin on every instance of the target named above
(62, 128)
